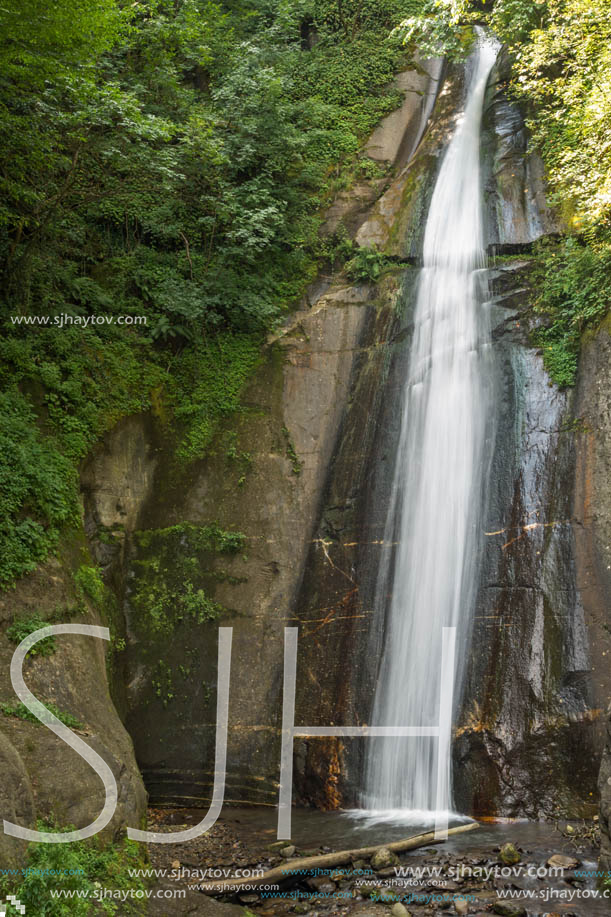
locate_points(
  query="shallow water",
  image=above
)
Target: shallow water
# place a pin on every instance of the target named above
(255, 827)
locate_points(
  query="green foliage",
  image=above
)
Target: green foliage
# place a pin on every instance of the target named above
(438, 28)
(166, 161)
(88, 581)
(210, 378)
(172, 578)
(80, 867)
(21, 711)
(211, 538)
(85, 380)
(163, 683)
(562, 75)
(573, 280)
(366, 265)
(174, 167)
(23, 627)
(37, 489)
(562, 70)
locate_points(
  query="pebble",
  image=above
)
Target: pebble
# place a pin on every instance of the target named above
(399, 910)
(508, 908)
(561, 861)
(322, 884)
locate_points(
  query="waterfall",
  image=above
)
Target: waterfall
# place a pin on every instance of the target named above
(435, 517)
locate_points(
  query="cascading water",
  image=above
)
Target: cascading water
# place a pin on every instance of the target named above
(436, 504)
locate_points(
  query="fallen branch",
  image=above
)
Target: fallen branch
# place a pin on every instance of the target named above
(326, 860)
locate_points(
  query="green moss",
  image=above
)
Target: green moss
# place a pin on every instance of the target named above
(291, 454)
(172, 576)
(210, 378)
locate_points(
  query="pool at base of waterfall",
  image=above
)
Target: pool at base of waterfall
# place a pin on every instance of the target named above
(471, 873)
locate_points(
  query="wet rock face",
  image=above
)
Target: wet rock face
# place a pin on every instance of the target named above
(526, 741)
(295, 405)
(16, 799)
(527, 736)
(593, 536)
(42, 777)
(516, 210)
(604, 786)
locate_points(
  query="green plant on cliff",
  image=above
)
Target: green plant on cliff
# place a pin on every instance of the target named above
(573, 280)
(89, 583)
(173, 578)
(366, 265)
(37, 489)
(23, 713)
(23, 627)
(561, 72)
(82, 869)
(210, 377)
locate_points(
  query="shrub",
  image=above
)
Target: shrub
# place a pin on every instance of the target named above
(23, 627)
(38, 493)
(80, 866)
(574, 294)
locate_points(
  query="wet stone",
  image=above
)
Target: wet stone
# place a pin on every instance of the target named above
(322, 884)
(561, 861)
(383, 858)
(508, 909)
(388, 871)
(288, 851)
(399, 910)
(509, 854)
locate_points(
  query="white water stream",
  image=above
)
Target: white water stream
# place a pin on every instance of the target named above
(435, 515)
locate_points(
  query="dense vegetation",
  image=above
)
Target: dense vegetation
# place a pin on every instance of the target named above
(562, 74)
(86, 870)
(165, 159)
(167, 162)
